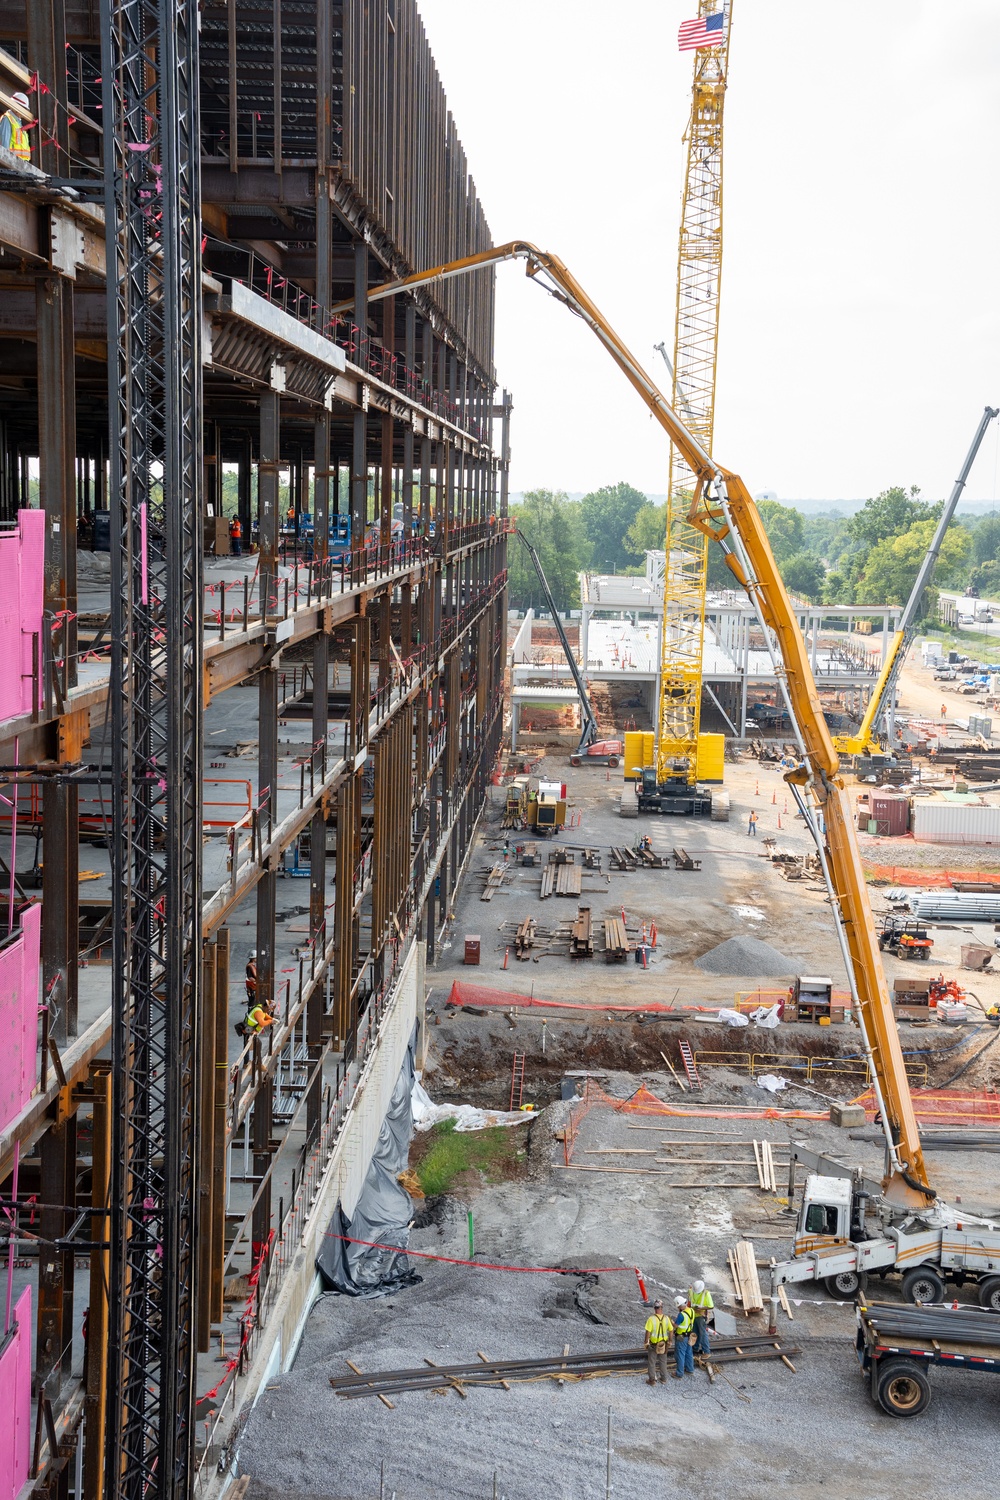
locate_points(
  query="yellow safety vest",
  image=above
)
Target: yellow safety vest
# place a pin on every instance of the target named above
(701, 1301)
(658, 1330)
(685, 1321)
(19, 143)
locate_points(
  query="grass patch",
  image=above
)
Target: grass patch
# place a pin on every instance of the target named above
(496, 1154)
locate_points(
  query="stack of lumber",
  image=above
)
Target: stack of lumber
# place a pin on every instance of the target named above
(581, 940)
(569, 880)
(548, 882)
(765, 1165)
(746, 1283)
(494, 880)
(525, 938)
(616, 944)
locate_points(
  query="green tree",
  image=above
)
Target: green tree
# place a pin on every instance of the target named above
(607, 515)
(837, 589)
(554, 527)
(804, 574)
(648, 531)
(986, 540)
(783, 525)
(986, 579)
(886, 516)
(891, 566)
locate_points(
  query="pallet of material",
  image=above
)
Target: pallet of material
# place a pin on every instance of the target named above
(652, 861)
(623, 859)
(616, 944)
(530, 855)
(592, 859)
(561, 857)
(746, 1283)
(581, 939)
(548, 882)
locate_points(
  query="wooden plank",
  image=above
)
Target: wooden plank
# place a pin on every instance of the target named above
(783, 1299)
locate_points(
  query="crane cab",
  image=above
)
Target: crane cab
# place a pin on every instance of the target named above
(825, 1214)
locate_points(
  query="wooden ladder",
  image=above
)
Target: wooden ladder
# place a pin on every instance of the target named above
(517, 1081)
(687, 1058)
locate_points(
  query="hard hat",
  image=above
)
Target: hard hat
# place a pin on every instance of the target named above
(253, 953)
(699, 1286)
(680, 1301)
(21, 99)
(658, 1302)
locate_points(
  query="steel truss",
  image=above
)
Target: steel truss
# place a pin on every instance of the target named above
(152, 202)
(696, 338)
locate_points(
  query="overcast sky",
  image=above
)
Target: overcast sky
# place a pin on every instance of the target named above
(859, 321)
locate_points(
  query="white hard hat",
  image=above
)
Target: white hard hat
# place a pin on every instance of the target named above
(21, 99)
(680, 1301)
(253, 952)
(699, 1286)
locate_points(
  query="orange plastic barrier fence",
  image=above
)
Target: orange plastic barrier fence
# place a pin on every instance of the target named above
(906, 875)
(946, 1106)
(482, 995)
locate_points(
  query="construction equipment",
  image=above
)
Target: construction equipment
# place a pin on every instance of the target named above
(866, 742)
(669, 785)
(904, 939)
(897, 1346)
(590, 748)
(722, 508)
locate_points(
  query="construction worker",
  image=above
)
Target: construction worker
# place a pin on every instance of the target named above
(236, 537)
(655, 1343)
(703, 1309)
(256, 1021)
(251, 977)
(13, 136)
(683, 1320)
(752, 828)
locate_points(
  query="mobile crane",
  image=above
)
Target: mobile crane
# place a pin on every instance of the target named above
(900, 1223)
(865, 742)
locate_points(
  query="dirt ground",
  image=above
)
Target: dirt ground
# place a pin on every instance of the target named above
(761, 1431)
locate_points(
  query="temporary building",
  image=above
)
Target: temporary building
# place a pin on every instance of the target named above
(955, 823)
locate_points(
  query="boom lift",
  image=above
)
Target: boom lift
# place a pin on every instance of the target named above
(722, 508)
(865, 742)
(589, 746)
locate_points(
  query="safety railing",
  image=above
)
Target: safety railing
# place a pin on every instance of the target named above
(810, 1068)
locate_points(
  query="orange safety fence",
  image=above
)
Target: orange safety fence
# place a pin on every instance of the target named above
(913, 875)
(946, 1106)
(643, 1102)
(482, 995)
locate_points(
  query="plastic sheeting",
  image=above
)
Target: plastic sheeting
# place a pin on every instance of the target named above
(382, 1213)
(426, 1113)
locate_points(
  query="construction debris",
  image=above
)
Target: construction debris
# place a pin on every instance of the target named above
(525, 938)
(494, 880)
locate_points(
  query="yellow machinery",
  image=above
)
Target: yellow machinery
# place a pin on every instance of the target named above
(696, 338)
(721, 508)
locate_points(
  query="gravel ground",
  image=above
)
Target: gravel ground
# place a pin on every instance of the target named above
(762, 1432)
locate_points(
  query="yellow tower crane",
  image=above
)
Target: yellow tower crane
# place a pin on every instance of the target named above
(696, 339)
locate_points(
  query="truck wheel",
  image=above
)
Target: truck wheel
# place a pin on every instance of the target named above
(923, 1284)
(612, 761)
(903, 1389)
(846, 1285)
(989, 1294)
(575, 760)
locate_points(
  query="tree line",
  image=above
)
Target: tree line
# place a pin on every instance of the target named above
(870, 557)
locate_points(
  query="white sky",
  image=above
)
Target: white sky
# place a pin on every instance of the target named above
(859, 323)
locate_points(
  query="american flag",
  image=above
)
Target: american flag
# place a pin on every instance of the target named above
(703, 31)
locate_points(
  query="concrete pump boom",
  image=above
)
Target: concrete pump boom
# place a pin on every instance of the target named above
(722, 508)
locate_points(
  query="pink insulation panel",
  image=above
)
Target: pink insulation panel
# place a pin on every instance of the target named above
(15, 1400)
(22, 563)
(19, 966)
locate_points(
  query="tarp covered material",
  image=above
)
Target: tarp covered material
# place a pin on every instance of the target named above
(426, 1113)
(382, 1214)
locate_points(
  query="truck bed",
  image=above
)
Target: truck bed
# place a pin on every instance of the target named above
(898, 1343)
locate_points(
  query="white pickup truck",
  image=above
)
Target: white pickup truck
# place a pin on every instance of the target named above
(846, 1231)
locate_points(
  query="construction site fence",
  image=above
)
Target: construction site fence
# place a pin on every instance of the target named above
(916, 876)
(946, 1106)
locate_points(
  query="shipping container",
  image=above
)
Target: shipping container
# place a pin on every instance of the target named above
(711, 757)
(891, 815)
(638, 752)
(948, 823)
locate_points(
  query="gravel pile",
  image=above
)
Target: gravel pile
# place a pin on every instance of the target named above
(746, 958)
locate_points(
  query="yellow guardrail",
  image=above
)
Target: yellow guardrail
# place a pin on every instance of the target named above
(811, 1068)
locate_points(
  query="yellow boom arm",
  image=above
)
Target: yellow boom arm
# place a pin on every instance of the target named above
(722, 508)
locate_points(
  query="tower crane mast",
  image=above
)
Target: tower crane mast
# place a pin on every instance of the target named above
(696, 338)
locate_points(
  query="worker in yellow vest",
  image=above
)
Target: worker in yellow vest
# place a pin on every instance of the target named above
(683, 1322)
(703, 1309)
(655, 1343)
(13, 136)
